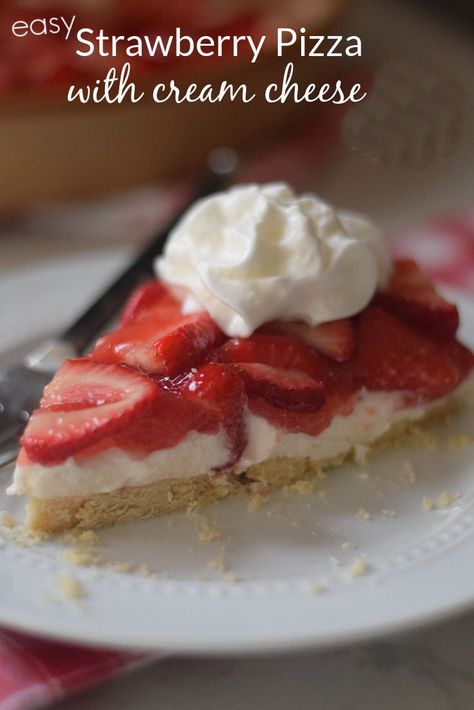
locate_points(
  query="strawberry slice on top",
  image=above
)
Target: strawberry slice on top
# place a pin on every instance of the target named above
(411, 295)
(206, 400)
(339, 399)
(149, 296)
(84, 403)
(219, 391)
(279, 369)
(288, 389)
(160, 342)
(392, 356)
(334, 339)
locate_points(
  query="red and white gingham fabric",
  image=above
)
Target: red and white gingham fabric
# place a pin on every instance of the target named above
(34, 672)
(444, 246)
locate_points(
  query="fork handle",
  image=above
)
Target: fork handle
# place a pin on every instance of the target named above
(80, 333)
(50, 355)
(8, 455)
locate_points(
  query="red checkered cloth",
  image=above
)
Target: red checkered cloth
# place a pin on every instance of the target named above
(444, 246)
(34, 672)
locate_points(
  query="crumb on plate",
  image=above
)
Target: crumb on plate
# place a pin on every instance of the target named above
(459, 441)
(218, 562)
(304, 488)
(208, 530)
(7, 520)
(230, 577)
(427, 503)
(24, 536)
(70, 587)
(358, 568)
(82, 558)
(142, 570)
(121, 567)
(256, 502)
(445, 499)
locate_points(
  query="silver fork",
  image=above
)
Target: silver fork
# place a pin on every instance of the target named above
(21, 385)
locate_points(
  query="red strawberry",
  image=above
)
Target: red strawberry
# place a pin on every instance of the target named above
(84, 403)
(220, 393)
(334, 339)
(207, 400)
(185, 347)
(285, 388)
(392, 356)
(339, 400)
(280, 369)
(273, 350)
(149, 295)
(411, 295)
(158, 345)
(168, 421)
(460, 354)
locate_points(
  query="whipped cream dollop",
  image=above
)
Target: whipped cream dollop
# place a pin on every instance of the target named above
(257, 253)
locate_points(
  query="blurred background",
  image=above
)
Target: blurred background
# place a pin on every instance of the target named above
(75, 178)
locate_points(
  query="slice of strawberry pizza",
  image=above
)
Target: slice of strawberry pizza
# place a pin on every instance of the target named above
(167, 410)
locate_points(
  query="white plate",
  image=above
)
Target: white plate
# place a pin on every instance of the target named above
(420, 563)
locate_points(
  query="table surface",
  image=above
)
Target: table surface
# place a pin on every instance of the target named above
(429, 669)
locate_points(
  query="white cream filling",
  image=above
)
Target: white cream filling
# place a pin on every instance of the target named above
(114, 468)
(374, 414)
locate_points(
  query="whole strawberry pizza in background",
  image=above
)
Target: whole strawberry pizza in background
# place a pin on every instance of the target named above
(119, 146)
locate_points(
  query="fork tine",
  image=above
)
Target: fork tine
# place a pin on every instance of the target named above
(8, 456)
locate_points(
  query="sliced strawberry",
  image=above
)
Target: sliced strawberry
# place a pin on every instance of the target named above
(120, 344)
(84, 403)
(411, 295)
(392, 356)
(207, 400)
(148, 296)
(461, 355)
(276, 351)
(187, 346)
(220, 394)
(339, 401)
(334, 339)
(158, 345)
(279, 369)
(290, 389)
(170, 418)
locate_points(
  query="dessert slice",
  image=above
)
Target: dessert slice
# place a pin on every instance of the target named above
(113, 442)
(176, 407)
